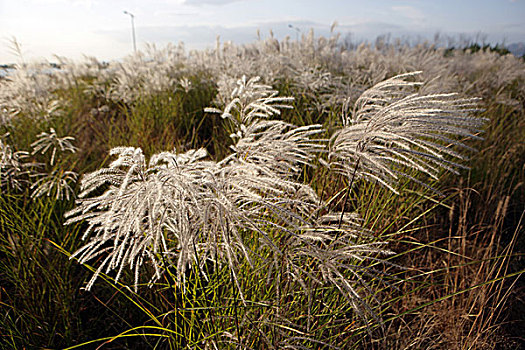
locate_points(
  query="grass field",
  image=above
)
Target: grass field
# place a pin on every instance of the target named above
(343, 199)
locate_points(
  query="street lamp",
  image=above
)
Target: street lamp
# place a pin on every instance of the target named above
(297, 31)
(132, 29)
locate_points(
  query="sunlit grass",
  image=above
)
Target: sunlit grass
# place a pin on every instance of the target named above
(456, 260)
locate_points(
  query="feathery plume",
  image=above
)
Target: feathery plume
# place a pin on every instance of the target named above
(392, 132)
(13, 169)
(50, 140)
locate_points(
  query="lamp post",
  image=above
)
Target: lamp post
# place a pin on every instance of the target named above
(297, 31)
(132, 29)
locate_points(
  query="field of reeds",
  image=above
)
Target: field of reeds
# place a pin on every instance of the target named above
(277, 195)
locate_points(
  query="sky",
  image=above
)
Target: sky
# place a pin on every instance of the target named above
(100, 28)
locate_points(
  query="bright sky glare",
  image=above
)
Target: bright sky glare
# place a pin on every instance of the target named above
(99, 28)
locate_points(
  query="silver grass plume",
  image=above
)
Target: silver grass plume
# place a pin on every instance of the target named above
(392, 133)
(251, 100)
(337, 250)
(57, 180)
(278, 147)
(176, 211)
(270, 151)
(50, 141)
(13, 168)
(141, 201)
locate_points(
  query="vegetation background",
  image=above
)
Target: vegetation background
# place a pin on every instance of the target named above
(454, 282)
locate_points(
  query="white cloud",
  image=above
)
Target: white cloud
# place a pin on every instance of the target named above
(83, 3)
(209, 2)
(415, 15)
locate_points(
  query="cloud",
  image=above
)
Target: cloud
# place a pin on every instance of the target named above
(514, 26)
(369, 27)
(175, 13)
(209, 2)
(202, 36)
(410, 12)
(81, 3)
